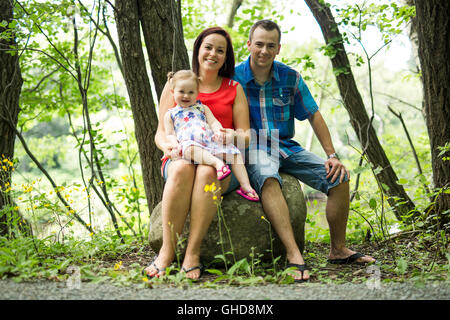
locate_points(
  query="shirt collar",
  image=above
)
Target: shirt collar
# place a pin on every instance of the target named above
(248, 74)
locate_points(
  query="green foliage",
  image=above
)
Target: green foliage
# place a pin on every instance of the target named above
(388, 17)
(53, 121)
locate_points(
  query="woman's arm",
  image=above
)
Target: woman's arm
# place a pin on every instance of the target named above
(212, 121)
(165, 103)
(216, 126)
(171, 137)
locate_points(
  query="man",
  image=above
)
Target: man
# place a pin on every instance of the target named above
(277, 96)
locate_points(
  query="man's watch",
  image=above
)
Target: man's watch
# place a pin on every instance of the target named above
(334, 155)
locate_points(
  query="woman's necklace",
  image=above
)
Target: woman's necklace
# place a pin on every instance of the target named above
(210, 86)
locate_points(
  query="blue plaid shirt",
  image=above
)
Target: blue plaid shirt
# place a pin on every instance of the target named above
(274, 106)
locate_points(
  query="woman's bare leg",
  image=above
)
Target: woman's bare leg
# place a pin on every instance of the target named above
(176, 202)
(203, 210)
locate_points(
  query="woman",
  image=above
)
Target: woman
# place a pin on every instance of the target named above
(213, 62)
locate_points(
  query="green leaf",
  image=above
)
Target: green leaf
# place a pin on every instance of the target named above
(215, 271)
(373, 204)
(402, 265)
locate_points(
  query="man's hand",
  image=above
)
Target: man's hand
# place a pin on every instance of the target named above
(334, 168)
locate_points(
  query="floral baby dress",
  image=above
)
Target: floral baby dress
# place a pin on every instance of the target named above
(191, 128)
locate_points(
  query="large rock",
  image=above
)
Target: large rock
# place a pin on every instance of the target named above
(247, 229)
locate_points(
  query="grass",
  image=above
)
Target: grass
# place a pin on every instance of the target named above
(400, 260)
(405, 258)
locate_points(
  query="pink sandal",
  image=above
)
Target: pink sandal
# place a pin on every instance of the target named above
(243, 193)
(224, 173)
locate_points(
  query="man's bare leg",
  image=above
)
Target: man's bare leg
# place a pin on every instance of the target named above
(277, 212)
(337, 210)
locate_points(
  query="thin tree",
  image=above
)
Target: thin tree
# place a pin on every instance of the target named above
(140, 95)
(359, 119)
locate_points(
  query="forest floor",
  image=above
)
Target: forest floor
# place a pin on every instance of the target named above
(407, 268)
(398, 260)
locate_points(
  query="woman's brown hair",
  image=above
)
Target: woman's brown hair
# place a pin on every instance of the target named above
(227, 69)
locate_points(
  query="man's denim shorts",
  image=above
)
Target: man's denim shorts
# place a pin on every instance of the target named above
(304, 165)
(234, 183)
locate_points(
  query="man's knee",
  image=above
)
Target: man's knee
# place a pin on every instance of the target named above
(340, 189)
(271, 185)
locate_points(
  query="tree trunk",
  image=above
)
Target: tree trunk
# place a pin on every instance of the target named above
(433, 29)
(234, 8)
(163, 34)
(140, 95)
(10, 87)
(398, 199)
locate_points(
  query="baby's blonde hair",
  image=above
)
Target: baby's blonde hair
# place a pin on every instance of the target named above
(172, 77)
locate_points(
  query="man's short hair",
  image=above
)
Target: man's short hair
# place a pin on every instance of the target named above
(267, 25)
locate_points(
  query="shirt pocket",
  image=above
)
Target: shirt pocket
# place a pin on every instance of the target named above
(282, 104)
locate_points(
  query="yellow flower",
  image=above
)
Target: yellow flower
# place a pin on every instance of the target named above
(145, 279)
(91, 234)
(207, 188)
(215, 198)
(117, 265)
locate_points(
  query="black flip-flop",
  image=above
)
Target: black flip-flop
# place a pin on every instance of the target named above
(299, 267)
(200, 267)
(152, 264)
(348, 260)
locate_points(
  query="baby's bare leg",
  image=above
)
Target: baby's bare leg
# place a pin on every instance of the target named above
(202, 156)
(241, 175)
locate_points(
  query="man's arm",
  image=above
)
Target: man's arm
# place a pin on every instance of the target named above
(332, 165)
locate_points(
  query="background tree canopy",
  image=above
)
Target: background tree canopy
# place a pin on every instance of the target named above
(80, 83)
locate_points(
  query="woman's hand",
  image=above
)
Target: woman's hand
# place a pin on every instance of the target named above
(172, 150)
(225, 136)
